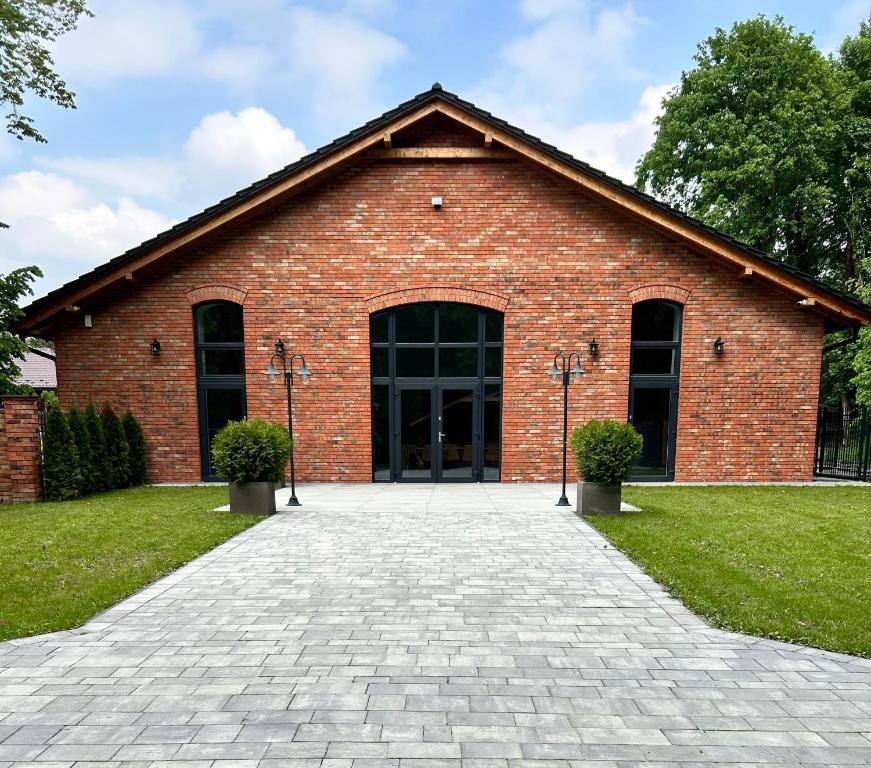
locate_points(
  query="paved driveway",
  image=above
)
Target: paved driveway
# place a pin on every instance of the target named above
(410, 627)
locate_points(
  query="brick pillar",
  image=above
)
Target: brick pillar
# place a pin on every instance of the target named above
(20, 448)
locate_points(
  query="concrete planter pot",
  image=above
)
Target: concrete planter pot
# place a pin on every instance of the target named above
(598, 499)
(252, 498)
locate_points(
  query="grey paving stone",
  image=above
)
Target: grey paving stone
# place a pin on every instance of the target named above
(385, 626)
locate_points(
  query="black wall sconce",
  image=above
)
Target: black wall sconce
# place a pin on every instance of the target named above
(155, 348)
(594, 348)
(719, 346)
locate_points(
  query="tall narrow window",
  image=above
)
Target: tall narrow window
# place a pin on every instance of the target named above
(220, 358)
(653, 385)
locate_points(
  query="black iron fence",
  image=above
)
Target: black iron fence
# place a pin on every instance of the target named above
(843, 447)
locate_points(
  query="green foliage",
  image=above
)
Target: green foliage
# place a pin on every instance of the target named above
(99, 457)
(49, 400)
(251, 451)
(90, 483)
(606, 450)
(60, 466)
(27, 30)
(769, 140)
(12, 287)
(136, 444)
(117, 450)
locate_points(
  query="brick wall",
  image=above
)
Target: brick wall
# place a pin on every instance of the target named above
(20, 454)
(565, 267)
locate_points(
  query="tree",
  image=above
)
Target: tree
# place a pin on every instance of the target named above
(99, 457)
(60, 471)
(745, 141)
(90, 483)
(27, 27)
(117, 450)
(136, 443)
(12, 287)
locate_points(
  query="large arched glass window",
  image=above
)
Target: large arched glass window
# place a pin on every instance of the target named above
(653, 385)
(220, 357)
(436, 393)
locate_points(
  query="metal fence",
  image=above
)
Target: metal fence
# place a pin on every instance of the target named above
(843, 448)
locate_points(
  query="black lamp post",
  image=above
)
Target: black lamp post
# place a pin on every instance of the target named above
(564, 372)
(272, 374)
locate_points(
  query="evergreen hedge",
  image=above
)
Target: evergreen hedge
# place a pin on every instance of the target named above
(117, 450)
(99, 459)
(136, 444)
(60, 467)
(90, 482)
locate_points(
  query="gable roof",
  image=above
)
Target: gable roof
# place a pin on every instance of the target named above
(38, 369)
(843, 309)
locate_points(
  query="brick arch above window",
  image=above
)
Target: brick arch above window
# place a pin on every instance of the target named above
(426, 293)
(216, 293)
(661, 291)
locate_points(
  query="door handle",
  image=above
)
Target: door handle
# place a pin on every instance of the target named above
(441, 436)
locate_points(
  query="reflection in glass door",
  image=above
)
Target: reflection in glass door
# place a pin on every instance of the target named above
(415, 433)
(652, 413)
(457, 438)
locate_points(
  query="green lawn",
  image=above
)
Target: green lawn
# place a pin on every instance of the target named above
(63, 562)
(791, 563)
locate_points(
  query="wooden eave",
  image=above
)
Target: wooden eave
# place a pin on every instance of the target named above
(497, 144)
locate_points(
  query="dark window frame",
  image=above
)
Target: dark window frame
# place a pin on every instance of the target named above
(480, 379)
(669, 381)
(206, 381)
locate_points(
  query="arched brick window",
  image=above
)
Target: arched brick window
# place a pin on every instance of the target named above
(654, 370)
(219, 340)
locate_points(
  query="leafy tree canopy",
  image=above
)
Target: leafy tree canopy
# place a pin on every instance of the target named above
(27, 27)
(12, 287)
(746, 140)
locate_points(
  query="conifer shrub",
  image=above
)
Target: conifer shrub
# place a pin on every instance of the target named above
(136, 444)
(60, 467)
(99, 459)
(117, 450)
(90, 482)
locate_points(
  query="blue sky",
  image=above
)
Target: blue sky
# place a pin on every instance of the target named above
(182, 102)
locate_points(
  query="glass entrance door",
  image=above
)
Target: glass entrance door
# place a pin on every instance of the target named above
(653, 413)
(416, 432)
(457, 438)
(438, 439)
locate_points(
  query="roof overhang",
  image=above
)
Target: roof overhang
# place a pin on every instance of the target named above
(499, 139)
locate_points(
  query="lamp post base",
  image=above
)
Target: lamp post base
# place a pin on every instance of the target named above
(294, 502)
(563, 502)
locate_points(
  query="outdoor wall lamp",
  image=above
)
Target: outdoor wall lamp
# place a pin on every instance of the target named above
(155, 348)
(287, 371)
(719, 346)
(437, 202)
(555, 373)
(594, 348)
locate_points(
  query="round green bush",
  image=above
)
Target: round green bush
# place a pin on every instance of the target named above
(605, 451)
(251, 451)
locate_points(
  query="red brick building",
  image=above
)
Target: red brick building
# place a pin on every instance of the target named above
(429, 265)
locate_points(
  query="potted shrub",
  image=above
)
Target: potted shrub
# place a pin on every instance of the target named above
(605, 451)
(251, 456)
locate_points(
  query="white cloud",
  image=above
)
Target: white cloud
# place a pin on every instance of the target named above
(56, 224)
(129, 175)
(542, 74)
(340, 58)
(81, 211)
(611, 146)
(241, 147)
(129, 39)
(337, 58)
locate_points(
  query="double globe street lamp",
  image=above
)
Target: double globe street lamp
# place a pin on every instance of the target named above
(565, 372)
(287, 370)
